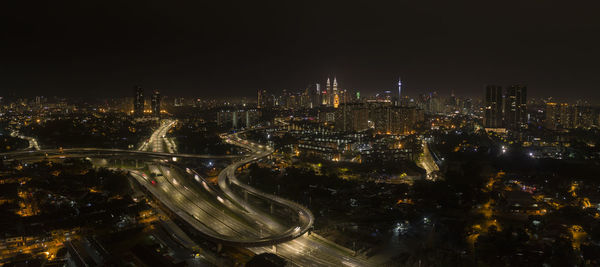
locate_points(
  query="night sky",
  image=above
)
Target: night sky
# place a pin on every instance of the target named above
(104, 48)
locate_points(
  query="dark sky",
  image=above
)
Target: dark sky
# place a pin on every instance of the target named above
(102, 48)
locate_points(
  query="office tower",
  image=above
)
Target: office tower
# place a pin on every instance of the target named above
(138, 101)
(432, 103)
(263, 99)
(317, 96)
(259, 99)
(304, 99)
(493, 107)
(155, 104)
(270, 100)
(335, 96)
(515, 109)
(336, 101)
(399, 91)
(325, 94)
(283, 99)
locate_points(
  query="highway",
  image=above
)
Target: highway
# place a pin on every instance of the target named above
(159, 140)
(33, 143)
(189, 196)
(98, 152)
(427, 162)
(219, 213)
(305, 250)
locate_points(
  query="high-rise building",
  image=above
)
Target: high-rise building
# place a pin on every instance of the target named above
(259, 99)
(305, 100)
(335, 96)
(344, 98)
(155, 103)
(551, 116)
(493, 107)
(583, 115)
(138, 101)
(399, 92)
(336, 101)
(326, 93)
(515, 109)
(404, 119)
(560, 116)
(282, 99)
(264, 99)
(352, 117)
(317, 96)
(390, 119)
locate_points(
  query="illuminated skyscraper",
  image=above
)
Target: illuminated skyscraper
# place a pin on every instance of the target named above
(515, 109)
(155, 103)
(138, 101)
(317, 100)
(336, 101)
(398, 100)
(314, 95)
(260, 98)
(399, 87)
(335, 97)
(552, 120)
(493, 107)
(326, 93)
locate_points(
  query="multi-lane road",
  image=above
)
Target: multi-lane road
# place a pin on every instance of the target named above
(226, 216)
(221, 213)
(33, 143)
(427, 162)
(158, 141)
(305, 250)
(104, 152)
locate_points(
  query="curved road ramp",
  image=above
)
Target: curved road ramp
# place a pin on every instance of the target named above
(257, 219)
(229, 213)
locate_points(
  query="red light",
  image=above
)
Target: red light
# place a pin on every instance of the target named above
(153, 182)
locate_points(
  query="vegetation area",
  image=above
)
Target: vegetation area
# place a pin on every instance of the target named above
(93, 131)
(201, 140)
(9, 143)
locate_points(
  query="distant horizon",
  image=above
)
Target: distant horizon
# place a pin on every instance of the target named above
(167, 93)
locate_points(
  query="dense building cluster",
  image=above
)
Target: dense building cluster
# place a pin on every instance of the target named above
(381, 172)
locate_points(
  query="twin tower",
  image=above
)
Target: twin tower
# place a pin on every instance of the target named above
(331, 97)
